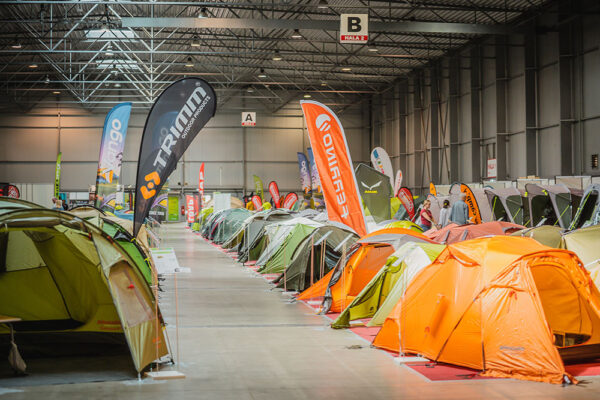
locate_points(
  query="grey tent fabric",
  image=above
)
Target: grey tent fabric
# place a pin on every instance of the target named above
(588, 212)
(506, 204)
(321, 250)
(550, 205)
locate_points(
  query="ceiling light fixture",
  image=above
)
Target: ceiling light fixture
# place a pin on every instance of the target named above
(56, 92)
(277, 56)
(117, 85)
(16, 46)
(189, 63)
(307, 96)
(47, 80)
(346, 69)
(372, 49)
(195, 42)
(323, 4)
(203, 13)
(262, 73)
(33, 66)
(296, 34)
(323, 83)
(250, 90)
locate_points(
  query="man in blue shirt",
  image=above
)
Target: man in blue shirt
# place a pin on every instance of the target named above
(460, 212)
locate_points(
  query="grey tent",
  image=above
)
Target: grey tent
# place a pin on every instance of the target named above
(254, 233)
(321, 250)
(549, 204)
(506, 204)
(588, 212)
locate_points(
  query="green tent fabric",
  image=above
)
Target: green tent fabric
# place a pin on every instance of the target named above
(324, 245)
(74, 288)
(547, 235)
(233, 220)
(404, 224)
(282, 257)
(585, 242)
(379, 297)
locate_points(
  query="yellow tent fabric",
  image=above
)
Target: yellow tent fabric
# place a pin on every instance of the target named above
(585, 242)
(504, 305)
(76, 283)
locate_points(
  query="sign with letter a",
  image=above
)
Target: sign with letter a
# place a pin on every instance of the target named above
(248, 118)
(354, 28)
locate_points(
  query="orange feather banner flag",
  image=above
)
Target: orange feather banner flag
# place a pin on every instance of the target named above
(474, 213)
(335, 167)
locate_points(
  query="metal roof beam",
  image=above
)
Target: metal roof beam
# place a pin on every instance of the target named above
(327, 25)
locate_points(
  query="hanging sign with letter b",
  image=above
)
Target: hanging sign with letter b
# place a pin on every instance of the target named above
(354, 28)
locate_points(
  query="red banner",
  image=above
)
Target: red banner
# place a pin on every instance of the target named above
(290, 200)
(406, 198)
(335, 167)
(274, 190)
(257, 202)
(201, 181)
(191, 208)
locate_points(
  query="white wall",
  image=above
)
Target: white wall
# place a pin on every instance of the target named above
(30, 142)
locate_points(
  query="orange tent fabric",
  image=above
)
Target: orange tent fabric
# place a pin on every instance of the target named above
(508, 306)
(361, 267)
(455, 233)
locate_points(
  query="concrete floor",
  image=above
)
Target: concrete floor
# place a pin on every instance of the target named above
(240, 340)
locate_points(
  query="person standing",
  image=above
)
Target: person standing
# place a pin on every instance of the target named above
(460, 212)
(444, 214)
(426, 216)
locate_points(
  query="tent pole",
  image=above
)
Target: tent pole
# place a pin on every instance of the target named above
(312, 259)
(177, 317)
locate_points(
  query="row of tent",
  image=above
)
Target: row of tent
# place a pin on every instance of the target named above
(79, 282)
(495, 297)
(556, 205)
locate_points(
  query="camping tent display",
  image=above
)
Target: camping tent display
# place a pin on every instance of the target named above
(254, 232)
(75, 288)
(277, 234)
(549, 204)
(389, 284)
(233, 220)
(507, 306)
(588, 212)
(585, 242)
(456, 233)
(316, 255)
(281, 257)
(404, 224)
(506, 204)
(362, 262)
(547, 235)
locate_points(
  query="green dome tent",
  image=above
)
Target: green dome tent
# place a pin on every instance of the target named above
(75, 289)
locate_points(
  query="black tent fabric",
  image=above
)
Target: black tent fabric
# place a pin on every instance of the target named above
(375, 191)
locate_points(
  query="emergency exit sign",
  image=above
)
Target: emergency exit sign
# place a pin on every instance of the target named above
(354, 28)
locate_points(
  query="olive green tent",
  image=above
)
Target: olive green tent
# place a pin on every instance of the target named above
(548, 235)
(74, 288)
(381, 294)
(585, 242)
(284, 238)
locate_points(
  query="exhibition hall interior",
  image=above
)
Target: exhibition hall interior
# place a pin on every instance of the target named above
(299, 199)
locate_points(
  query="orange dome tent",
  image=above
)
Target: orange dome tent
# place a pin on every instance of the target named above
(455, 233)
(508, 306)
(341, 285)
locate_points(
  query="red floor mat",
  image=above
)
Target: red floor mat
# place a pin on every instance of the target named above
(587, 369)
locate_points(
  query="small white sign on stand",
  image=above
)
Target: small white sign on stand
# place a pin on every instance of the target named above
(166, 261)
(354, 28)
(248, 118)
